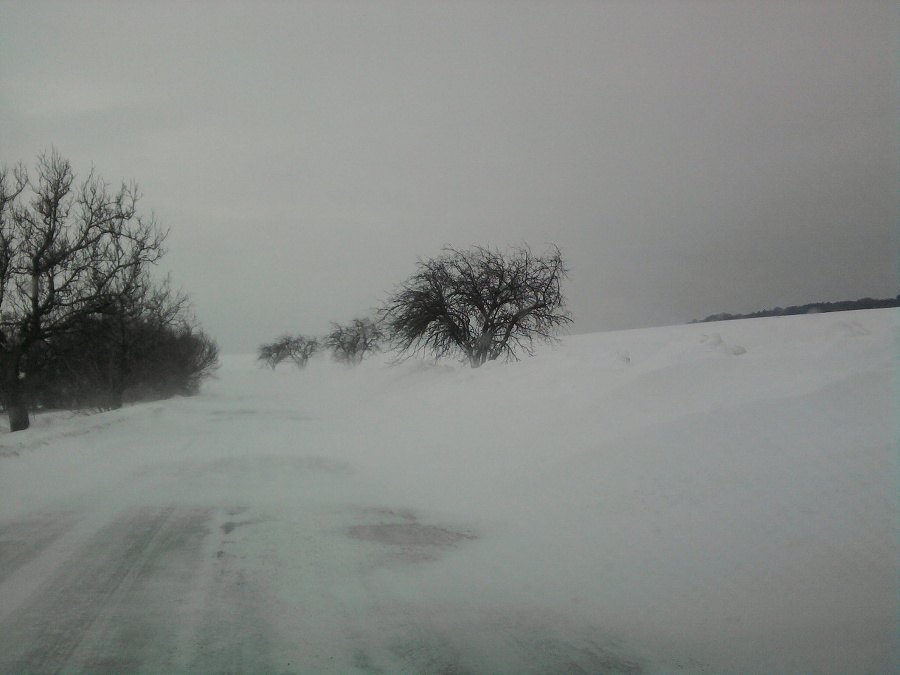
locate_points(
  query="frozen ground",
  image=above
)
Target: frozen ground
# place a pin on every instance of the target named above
(713, 498)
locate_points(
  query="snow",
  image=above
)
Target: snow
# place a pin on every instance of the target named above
(715, 498)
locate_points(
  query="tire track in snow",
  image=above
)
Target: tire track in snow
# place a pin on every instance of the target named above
(139, 630)
(87, 619)
(24, 539)
(232, 635)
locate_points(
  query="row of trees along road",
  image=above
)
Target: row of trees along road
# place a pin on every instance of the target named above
(477, 304)
(348, 343)
(82, 321)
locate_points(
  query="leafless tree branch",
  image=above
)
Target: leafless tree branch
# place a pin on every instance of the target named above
(479, 303)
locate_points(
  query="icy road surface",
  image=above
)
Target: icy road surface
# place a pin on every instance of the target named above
(252, 563)
(704, 499)
(134, 581)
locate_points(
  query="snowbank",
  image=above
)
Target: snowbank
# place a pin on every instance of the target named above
(719, 497)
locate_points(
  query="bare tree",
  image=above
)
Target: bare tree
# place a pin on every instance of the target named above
(65, 255)
(190, 357)
(479, 304)
(297, 348)
(351, 343)
(271, 354)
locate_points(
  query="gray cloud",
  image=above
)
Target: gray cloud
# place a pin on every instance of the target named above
(689, 157)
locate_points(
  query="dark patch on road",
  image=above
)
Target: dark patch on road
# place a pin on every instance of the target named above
(408, 534)
(405, 514)
(230, 526)
(408, 541)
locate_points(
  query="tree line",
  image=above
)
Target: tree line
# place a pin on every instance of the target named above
(810, 308)
(83, 321)
(349, 343)
(478, 304)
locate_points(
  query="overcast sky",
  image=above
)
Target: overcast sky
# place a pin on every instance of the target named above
(688, 157)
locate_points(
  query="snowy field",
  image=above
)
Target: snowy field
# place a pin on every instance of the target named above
(711, 498)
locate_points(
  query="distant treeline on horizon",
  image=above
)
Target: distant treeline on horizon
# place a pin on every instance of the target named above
(812, 308)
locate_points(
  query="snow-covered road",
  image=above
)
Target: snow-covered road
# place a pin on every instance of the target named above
(184, 568)
(713, 498)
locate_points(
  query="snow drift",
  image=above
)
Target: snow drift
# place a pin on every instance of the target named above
(712, 498)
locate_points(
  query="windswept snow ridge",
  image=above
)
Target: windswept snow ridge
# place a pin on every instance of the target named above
(712, 498)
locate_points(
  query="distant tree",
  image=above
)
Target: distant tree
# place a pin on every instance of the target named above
(297, 348)
(270, 355)
(479, 303)
(351, 343)
(64, 256)
(811, 308)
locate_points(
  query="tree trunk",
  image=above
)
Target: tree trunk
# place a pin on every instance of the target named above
(18, 415)
(116, 378)
(116, 397)
(482, 349)
(15, 401)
